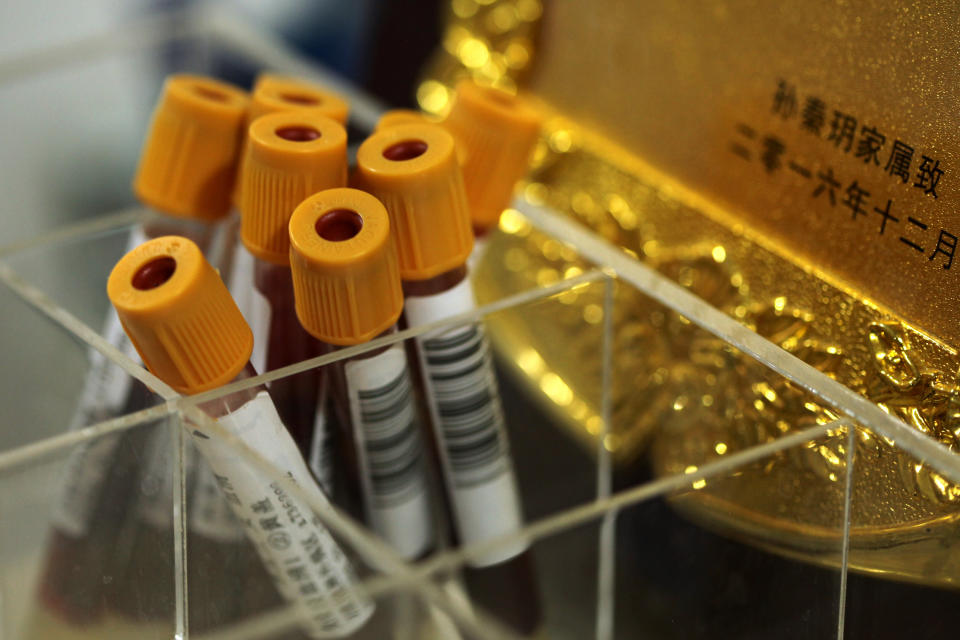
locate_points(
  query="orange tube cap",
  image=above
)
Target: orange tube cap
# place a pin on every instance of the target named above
(399, 116)
(179, 315)
(413, 170)
(189, 160)
(497, 131)
(346, 279)
(290, 156)
(275, 94)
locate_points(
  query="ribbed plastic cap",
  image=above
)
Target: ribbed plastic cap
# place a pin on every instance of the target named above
(290, 156)
(399, 116)
(413, 170)
(179, 315)
(189, 160)
(345, 274)
(496, 131)
(275, 94)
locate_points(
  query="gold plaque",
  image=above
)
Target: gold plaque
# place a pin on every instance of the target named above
(796, 167)
(829, 128)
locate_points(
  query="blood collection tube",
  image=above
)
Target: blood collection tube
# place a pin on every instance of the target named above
(495, 133)
(413, 170)
(290, 156)
(186, 172)
(190, 333)
(347, 284)
(196, 131)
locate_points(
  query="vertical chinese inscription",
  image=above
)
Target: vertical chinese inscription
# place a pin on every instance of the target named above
(847, 135)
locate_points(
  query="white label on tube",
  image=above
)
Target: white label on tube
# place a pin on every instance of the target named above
(104, 396)
(253, 305)
(321, 447)
(210, 515)
(389, 445)
(420, 310)
(465, 407)
(154, 496)
(479, 250)
(107, 386)
(308, 566)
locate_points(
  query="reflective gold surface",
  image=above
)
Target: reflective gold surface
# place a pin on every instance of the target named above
(662, 133)
(717, 94)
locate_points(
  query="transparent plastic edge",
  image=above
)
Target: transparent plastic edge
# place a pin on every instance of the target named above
(371, 549)
(107, 222)
(606, 551)
(508, 302)
(36, 298)
(417, 576)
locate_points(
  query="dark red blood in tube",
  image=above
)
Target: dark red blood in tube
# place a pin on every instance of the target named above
(339, 225)
(154, 273)
(405, 150)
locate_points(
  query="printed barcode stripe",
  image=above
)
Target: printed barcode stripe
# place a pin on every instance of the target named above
(392, 440)
(467, 406)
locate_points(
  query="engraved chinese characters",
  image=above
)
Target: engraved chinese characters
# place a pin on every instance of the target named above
(865, 197)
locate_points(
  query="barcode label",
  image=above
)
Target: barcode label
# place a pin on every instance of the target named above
(308, 566)
(391, 450)
(464, 391)
(465, 408)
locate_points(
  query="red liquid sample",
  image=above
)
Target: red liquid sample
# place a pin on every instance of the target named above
(82, 574)
(288, 343)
